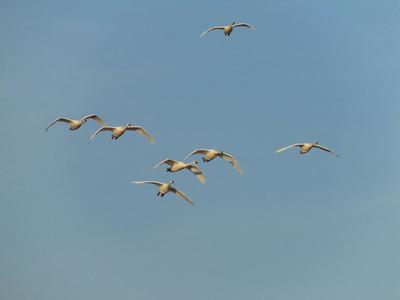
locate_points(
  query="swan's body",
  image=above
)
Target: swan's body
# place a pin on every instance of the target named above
(165, 188)
(227, 28)
(76, 124)
(306, 147)
(176, 166)
(210, 154)
(116, 132)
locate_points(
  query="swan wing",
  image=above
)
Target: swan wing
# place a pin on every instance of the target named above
(60, 119)
(326, 149)
(288, 147)
(157, 183)
(96, 118)
(181, 195)
(103, 128)
(167, 161)
(198, 151)
(211, 29)
(243, 25)
(140, 130)
(233, 161)
(197, 171)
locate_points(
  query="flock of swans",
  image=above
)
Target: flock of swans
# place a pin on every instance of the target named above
(174, 165)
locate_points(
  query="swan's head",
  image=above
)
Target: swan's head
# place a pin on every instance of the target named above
(129, 124)
(171, 182)
(195, 162)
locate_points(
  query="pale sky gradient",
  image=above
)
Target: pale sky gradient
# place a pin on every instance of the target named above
(310, 227)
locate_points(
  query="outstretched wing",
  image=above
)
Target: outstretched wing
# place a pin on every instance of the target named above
(233, 161)
(211, 29)
(104, 128)
(141, 131)
(157, 183)
(197, 171)
(288, 147)
(167, 161)
(326, 149)
(198, 151)
(243, 25)
(96, 118)
(181, 195)
(61, 119)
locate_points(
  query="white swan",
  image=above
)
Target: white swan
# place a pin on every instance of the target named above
(306, 147)
(116, 132)
(165, 188)
(76, 124)
(210, 154)
(227, 28)
(176, 166)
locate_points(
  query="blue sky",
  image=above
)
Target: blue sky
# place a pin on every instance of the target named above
(304, 227)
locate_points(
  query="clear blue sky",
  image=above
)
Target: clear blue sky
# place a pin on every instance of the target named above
(293, 227)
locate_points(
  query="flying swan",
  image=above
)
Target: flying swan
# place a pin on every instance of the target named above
(76, 124)
(227, 28)
(210, 154)
(176, 166)
(165, 188)
(306, 147)
(116, 132)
